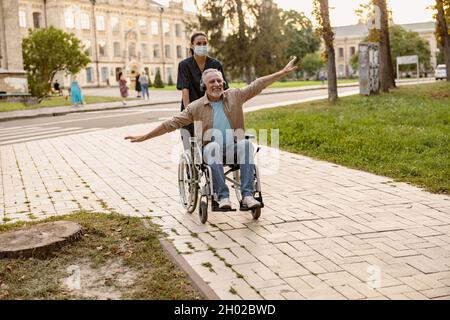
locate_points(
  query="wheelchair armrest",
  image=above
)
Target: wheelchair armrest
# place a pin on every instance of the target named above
(249, 136)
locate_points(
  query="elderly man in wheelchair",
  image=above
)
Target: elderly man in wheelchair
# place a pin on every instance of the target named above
(218, 119)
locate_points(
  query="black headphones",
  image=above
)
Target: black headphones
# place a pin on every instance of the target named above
(203, 86)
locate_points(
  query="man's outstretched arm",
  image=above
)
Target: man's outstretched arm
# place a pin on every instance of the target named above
(158, 131)
(261, 83)
(182, 119)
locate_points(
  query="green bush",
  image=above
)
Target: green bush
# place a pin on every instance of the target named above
(158, 83)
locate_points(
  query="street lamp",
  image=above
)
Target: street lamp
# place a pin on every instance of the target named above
(93, 2)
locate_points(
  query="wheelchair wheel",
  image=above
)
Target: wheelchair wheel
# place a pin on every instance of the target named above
(256, 213)
(188, 184)
(203, 212)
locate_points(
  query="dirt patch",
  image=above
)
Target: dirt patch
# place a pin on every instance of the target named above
(107, 282)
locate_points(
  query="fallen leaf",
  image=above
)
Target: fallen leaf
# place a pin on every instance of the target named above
(8, 268)
(99, 248)
(128, 254)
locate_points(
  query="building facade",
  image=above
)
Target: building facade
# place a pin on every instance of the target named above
(13, 79)
(127, 36)
(347, 39)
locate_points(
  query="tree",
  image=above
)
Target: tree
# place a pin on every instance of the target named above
(387, 79)
(269, 58)
(322, 15)
(406, 43)
(158, 83)
(443, 32)
(376, 14)
(228, 47)
(299, 32)
(312, 63)
(48, 51)
(354, 62)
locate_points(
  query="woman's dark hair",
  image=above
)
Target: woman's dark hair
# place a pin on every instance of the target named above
(120, 74)
(195, 35)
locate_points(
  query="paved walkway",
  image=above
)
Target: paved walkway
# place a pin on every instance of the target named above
(327, 232)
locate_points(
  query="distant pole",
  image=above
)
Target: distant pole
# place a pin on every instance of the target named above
(93, 2)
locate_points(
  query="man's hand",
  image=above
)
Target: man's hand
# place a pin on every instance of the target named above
(136, 138)
(290, 66)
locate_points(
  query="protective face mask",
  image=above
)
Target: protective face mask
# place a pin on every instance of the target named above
(201, 50)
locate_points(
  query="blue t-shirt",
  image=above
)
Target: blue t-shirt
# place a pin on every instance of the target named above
(222, 131)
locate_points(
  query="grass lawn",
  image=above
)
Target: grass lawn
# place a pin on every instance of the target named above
(52, 102)
(403, 135)
(118, 258)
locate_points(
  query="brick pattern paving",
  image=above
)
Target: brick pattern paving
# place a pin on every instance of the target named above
(327, 232)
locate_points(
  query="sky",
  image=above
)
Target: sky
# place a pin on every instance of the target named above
(342, 12)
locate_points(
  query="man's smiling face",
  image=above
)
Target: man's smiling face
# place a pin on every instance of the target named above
(214, 85)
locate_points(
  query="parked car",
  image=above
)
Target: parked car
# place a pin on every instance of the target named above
(440, 72)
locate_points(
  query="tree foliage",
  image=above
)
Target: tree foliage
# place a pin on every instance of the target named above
(406, 43)
(312, 63)
(158, 83)
(254, 37)
(48, 51)
(300, 34)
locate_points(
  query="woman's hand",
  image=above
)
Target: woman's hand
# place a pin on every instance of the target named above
(136, 138)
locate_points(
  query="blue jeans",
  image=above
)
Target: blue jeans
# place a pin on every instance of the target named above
(214, 155)
(144, 91)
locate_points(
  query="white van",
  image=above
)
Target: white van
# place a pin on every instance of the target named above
(440, 72)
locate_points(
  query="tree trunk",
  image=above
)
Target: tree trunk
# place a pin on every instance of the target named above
(244, 41)
(444, 34)
(328, 38)
(387, 80)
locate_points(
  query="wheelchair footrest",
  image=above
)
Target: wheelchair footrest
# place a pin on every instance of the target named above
(215, 207)
(222, 210)
(242, 208)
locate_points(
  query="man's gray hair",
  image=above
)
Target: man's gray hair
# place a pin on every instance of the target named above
(209, 71)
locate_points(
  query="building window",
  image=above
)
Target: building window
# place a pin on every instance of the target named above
(341, 70)
(352, 51)
(142, 26)
(341, 52)
(22, 19)
(69, 19)
(132, 49)
(167, 51)
(179, 50)
(37, 20)
(87, 47)
(154, 26)
(100, 21)
(178, 30)
(115, 25)
(116, 49)
(166, 28)
(102, 48)
(168, 74)
(156, 51)
(89, 74)
(144, 50)
(105, 75)
(85, 21)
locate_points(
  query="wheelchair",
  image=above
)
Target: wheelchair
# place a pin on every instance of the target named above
(196, 184)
